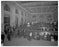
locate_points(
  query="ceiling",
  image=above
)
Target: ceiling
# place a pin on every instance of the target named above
(36, 6)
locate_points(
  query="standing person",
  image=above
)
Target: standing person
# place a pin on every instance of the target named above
(2, 38)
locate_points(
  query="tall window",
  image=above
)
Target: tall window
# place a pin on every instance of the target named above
(6, 8)
(16, 11)
(6, 19)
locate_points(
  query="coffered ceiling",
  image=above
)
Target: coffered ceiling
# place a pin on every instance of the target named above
(38, 6)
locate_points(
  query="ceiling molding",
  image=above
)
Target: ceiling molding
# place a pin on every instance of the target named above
(38, 3)
(26, 5)
(43, 13)
(22, 7)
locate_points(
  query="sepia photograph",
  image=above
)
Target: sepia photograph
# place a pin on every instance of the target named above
(29, 23)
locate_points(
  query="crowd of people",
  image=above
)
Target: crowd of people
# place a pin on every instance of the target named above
(19, 32)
